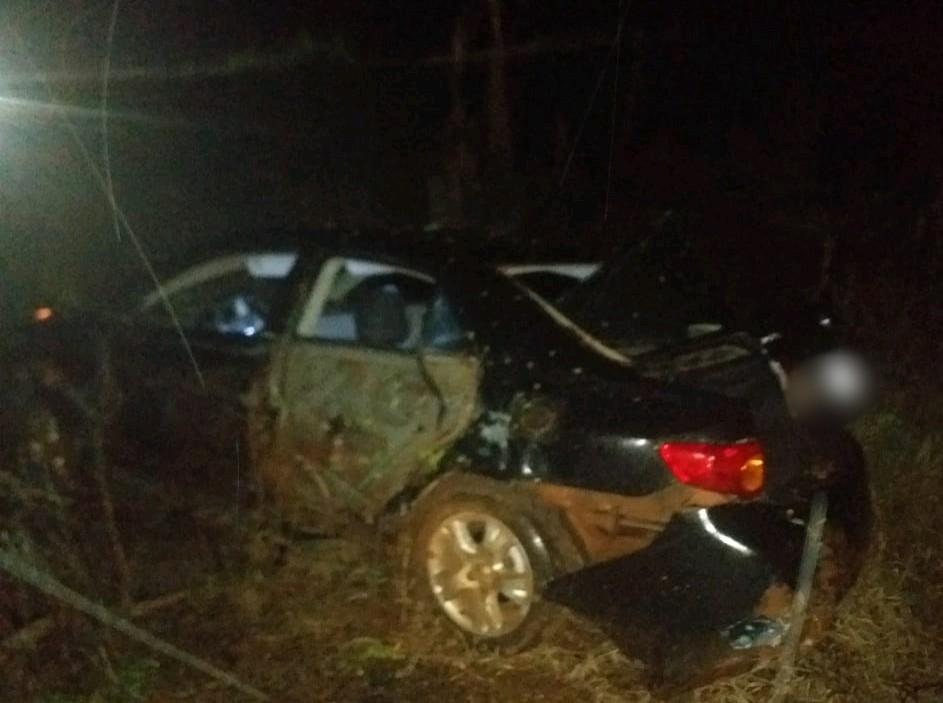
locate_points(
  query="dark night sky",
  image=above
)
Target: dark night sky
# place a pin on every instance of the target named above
(325, 109)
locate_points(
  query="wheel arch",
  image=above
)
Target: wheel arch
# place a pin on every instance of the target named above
(551, 536)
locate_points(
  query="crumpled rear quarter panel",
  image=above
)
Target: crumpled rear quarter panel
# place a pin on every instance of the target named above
(670, 602)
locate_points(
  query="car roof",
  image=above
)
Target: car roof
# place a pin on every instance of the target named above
(431, 250)
(402, 243)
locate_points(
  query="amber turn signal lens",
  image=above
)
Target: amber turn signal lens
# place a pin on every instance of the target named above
(752, 474)
(42, 314)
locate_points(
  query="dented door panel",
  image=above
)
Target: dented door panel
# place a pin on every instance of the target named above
(362, 424)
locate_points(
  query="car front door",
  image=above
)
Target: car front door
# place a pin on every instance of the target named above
(192, 347)
(369, 394)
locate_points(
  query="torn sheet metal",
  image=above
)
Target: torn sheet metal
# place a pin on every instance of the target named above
(609, 525)
(358, 426)
(698, 601)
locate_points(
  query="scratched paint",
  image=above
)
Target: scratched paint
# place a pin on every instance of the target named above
(358, 426)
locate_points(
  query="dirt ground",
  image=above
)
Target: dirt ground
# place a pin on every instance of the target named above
(323, 619)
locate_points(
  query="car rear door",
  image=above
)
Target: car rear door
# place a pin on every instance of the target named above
(368, 397)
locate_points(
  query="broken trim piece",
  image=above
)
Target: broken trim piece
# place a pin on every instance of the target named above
(568, 324)
(580, 271)
(610, 525)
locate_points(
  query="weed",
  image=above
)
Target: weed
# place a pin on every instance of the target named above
(131, 681)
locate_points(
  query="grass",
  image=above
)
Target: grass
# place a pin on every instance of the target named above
(884, 646)
(129, 682)
(331, 624)
(886, 643)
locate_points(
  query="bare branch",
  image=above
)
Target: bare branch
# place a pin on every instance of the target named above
(27, 573)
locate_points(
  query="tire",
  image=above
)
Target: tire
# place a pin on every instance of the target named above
(478, 553)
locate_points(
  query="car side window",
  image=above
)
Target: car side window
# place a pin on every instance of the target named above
(236, 302)
(229, 305)
(382, 307)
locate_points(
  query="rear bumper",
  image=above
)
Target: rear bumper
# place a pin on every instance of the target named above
(713, 591)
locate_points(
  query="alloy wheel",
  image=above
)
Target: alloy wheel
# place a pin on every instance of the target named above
(480, 573)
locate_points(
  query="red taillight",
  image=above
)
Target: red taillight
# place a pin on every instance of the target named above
(725, 468)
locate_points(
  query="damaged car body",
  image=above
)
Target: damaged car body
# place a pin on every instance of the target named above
(150, 362)
(664, 491)
(530, 436)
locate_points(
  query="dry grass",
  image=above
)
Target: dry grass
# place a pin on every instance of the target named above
(884, 646)
(332, 624)
(886, 642)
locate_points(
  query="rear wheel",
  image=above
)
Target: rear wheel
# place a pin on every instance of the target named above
(479, 572)
(480, 554)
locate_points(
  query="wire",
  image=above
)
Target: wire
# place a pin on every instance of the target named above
(613, 46)
(586, 114)
(612, 126)
(106, 159)
(119, 214)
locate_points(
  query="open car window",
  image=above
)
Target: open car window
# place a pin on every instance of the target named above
(378, 306)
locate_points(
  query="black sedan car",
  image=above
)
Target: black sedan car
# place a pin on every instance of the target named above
(658, 477)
